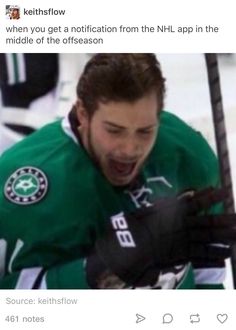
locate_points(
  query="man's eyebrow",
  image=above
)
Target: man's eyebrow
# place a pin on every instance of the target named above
(109, 123)
(123, 127)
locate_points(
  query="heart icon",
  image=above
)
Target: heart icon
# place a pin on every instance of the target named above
(222, 318)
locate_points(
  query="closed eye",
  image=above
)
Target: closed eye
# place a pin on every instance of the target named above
(146, 132)
(114, 131)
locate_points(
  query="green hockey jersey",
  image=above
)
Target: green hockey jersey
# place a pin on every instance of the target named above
(54, 204)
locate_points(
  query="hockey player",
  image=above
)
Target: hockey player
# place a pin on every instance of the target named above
(36, 89)
(119, 194)
(28, 94)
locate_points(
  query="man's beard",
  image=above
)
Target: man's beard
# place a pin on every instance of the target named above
(92, 152)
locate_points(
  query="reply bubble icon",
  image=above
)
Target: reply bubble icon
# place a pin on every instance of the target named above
(167, 318)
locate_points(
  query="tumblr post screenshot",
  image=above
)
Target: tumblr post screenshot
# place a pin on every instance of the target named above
(117, 165)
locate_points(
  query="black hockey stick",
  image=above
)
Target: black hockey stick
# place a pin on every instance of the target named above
(221, 140)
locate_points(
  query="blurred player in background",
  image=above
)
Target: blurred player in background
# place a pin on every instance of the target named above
(118, 194)
(35, 89)
(28, 86)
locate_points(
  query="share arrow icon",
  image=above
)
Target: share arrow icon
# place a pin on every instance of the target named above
(139, 318)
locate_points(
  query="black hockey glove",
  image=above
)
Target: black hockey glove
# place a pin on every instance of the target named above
(174, 231)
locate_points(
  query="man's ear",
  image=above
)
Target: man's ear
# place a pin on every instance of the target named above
(82, 114)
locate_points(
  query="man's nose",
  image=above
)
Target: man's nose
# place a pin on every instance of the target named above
(130, 148)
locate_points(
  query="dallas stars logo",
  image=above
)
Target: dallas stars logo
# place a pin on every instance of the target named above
(25, 186)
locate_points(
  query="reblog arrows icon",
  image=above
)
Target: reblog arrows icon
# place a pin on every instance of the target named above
(139, 318)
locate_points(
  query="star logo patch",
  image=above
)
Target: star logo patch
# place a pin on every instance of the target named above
(27, 185)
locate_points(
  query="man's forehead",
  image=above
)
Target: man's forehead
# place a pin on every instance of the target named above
(127, 117)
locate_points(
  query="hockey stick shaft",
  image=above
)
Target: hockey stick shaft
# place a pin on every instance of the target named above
(221, 140)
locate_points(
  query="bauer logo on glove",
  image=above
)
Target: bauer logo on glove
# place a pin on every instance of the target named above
(123, 233)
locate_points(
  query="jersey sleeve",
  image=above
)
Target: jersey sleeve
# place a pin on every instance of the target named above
(70, 275)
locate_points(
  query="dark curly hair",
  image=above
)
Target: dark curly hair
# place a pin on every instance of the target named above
(120, 77)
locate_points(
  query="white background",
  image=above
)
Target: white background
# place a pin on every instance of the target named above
(133, 13)
(117, 310)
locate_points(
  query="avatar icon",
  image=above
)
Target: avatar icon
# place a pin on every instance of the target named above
(13, 12)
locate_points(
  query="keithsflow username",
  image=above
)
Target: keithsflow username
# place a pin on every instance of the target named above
(41, 301)
(39, 11)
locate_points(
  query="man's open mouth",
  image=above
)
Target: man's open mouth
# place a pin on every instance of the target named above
(121, 168)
